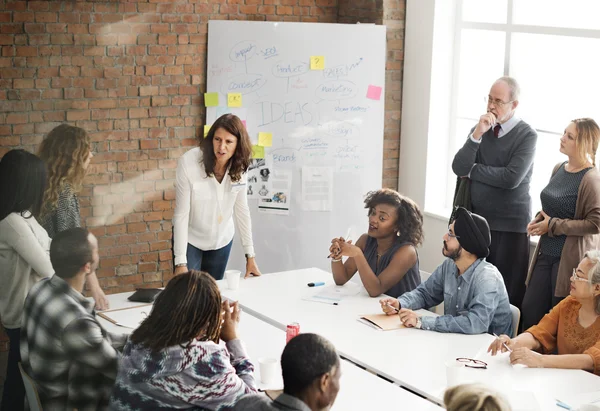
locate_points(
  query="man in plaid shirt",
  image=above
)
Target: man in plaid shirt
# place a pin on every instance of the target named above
(72, 359)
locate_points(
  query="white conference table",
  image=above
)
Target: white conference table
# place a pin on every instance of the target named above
(359, 389)
(412, 358)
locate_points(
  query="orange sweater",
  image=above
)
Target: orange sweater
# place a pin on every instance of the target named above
(560, 329)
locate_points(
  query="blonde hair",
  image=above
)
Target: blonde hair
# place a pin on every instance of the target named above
(65, 151)
(588, 135)
(474, 397)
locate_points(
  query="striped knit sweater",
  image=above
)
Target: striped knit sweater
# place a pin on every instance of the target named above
(200, 375)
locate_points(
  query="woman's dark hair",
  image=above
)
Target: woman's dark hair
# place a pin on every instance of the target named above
(241, 157)
(189, 307)
(409, 221)
(22, 183)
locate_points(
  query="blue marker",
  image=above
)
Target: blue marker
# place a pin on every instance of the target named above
(316, 284)
(563, 405)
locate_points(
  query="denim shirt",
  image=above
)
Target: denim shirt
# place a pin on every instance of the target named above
(474, 303)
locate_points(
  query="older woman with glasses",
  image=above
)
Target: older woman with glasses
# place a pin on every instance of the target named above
(572, 328)
(569, 222)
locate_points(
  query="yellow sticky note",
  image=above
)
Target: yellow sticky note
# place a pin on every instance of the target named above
(258, 152)
(206, 129)
(317, 62)
(234, 99)
(265, 139)
(211, 99)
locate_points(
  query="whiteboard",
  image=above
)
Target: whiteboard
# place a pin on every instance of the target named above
(320, 118)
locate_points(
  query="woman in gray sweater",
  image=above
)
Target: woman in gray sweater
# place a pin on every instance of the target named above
(569, 222)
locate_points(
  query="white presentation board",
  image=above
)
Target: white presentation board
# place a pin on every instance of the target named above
(318, 89)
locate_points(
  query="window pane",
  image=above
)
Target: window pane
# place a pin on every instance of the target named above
(558, 77)
(547, 155)
(481, 62)
(484, 11)
(580, 14)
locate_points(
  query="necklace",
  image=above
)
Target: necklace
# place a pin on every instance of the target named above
(379, 254)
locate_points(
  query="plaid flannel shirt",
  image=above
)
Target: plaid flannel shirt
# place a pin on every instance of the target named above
(72, 359)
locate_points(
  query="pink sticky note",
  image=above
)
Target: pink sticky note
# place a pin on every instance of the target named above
(374, 92)
(244, 123)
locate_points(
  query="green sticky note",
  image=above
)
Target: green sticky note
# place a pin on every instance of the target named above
(258, 152)
(211, 99)
(234, 99)
(317, 62)
(206, 129)
(265, 139)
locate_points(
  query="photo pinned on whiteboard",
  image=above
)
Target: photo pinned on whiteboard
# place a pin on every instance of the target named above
(276, 198)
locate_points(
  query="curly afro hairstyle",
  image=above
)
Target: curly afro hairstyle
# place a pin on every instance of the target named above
(409, 217)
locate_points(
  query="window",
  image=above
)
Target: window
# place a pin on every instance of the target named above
(550, 46)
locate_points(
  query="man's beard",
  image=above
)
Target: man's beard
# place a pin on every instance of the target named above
(455, 255)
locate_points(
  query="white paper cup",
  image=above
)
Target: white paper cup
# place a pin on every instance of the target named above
(454, 373)
(233, 279)
(268, 370)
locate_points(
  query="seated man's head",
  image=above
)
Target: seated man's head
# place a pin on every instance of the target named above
(311, 370)
(74, 254)
(474, 397)
(585, 281)
(468, 232)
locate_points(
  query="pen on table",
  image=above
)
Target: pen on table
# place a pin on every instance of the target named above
(505, 346)
(392, 307)
(345, 239)
(563, 405)
(316, 284)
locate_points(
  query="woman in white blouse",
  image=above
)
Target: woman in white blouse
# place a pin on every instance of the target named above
(24, 254)
(211, 191)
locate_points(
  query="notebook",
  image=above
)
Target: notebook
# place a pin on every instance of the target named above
(382, 321)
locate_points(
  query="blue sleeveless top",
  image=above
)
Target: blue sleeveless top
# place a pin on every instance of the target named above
(411, 279)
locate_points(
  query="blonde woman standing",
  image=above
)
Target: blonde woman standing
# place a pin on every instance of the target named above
(67, 152)
(569, 222)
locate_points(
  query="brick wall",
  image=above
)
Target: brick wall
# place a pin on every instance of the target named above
(133, 74)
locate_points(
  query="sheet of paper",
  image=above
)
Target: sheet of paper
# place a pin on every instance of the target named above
(317, 188)
(258, 175)
(374, 92)
(211, 99)
(127, 317)
(317, 62)
(330, 294)
(275, 196)
(234, 99)
(207, 129)
(265, 139)
(258, 152)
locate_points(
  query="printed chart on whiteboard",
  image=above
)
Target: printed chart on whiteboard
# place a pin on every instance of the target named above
(312, 99)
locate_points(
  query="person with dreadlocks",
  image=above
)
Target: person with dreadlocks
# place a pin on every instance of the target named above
(174, 360)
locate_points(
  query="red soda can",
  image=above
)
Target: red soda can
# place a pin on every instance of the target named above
(291, 331)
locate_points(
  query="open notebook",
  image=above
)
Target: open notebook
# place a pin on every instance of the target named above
(382, 321)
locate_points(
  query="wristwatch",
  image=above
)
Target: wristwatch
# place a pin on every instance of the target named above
(419, 324)
(181, 265)
(249, 255)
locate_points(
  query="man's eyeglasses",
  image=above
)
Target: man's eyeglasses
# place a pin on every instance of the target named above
(471, 363)
(495, 102)
(576, 277)
(452, 235)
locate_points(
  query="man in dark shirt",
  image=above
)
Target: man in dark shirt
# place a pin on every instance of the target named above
(311, 378)
(498, 158)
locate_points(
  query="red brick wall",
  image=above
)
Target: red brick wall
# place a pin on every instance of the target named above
(133, 74)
